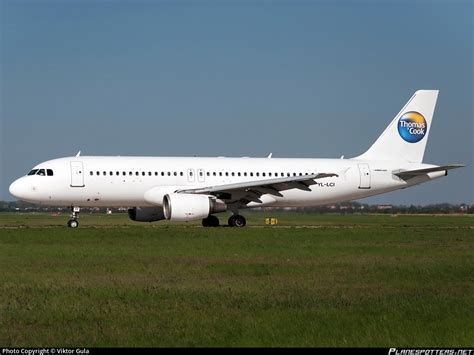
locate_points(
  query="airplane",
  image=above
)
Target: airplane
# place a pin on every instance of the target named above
(192, 188)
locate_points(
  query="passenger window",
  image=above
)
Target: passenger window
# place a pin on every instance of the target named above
(149, 173)
(97, 172)
(175, 173)
(169, 173)
(181, 173)
(156, 173)
(136, 173)
(263, 174)
(238, 173)
(41, 172)
(245, 173)
(33, 172)
(258, 174)
(130, 173)
(117, 173)
(104, 173)
(162, 173)
(124, 173)
(220, 173)
(92, 173)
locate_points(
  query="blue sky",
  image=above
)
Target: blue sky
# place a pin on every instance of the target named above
(234, 78)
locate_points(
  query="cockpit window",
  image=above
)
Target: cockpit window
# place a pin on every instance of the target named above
(41, 172)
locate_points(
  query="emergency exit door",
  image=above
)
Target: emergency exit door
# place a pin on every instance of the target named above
(201, 175)
(77, 174)
(191, 177)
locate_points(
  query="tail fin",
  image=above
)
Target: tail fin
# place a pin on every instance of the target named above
(406, 136)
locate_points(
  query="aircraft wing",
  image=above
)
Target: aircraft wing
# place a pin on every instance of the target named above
(252, 190)
(412, 173)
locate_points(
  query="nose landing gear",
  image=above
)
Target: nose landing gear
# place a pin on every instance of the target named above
(73, 222)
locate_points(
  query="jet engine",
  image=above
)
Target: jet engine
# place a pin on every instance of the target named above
(188, 207)
(146, 214)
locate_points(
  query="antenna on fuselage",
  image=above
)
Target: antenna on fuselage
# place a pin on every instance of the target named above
(78, 154)
(270, 155)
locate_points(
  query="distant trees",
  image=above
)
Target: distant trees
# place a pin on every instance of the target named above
(356, 207)
(339, 208)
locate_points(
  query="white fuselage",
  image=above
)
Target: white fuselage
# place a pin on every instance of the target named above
(123, 181)
(185, 189)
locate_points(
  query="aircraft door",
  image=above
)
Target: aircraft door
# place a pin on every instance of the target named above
(77, 174)
(364, 173)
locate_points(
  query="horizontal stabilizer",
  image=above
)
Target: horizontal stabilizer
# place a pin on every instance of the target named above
(411, 173)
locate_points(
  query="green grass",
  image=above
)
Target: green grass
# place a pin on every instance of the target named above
(337, 281)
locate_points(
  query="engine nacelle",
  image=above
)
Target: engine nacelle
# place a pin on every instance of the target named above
(146, 214)
(188, 207)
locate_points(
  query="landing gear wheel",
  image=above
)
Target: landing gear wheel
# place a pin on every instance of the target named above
(73, 223)
(237, 220)
(211, 221)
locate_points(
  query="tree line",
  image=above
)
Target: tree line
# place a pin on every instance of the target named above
(340, 208)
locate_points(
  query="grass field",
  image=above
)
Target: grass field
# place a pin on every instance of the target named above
(314, 280)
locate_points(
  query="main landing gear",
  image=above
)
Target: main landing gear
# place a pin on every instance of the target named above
(210, 221)
(234, 221)
(237, 220)
(73, 222)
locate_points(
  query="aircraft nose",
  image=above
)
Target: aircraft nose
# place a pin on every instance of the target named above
(18, 188)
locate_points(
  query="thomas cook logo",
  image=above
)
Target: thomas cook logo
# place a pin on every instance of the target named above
(412, 126)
